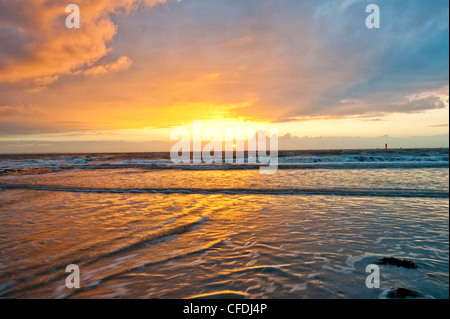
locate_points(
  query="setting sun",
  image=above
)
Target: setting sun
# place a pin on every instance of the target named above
(250, 150)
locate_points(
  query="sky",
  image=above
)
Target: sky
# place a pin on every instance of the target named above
(137, 69)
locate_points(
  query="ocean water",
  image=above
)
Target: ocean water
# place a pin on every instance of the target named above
(139, 226)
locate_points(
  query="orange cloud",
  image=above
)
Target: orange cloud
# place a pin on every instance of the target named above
(262, 61)
(123, 63)
(48, 49)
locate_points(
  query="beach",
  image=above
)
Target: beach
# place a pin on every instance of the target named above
(139, 226)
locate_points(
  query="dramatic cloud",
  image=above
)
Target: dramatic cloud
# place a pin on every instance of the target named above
(158, 63)
(37, 46)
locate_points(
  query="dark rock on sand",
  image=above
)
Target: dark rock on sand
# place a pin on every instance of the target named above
(397, 262)
(403, 293)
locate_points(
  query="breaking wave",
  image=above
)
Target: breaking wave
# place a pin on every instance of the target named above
(395, 192)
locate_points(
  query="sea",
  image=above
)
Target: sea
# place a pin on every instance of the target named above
(139, 226)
